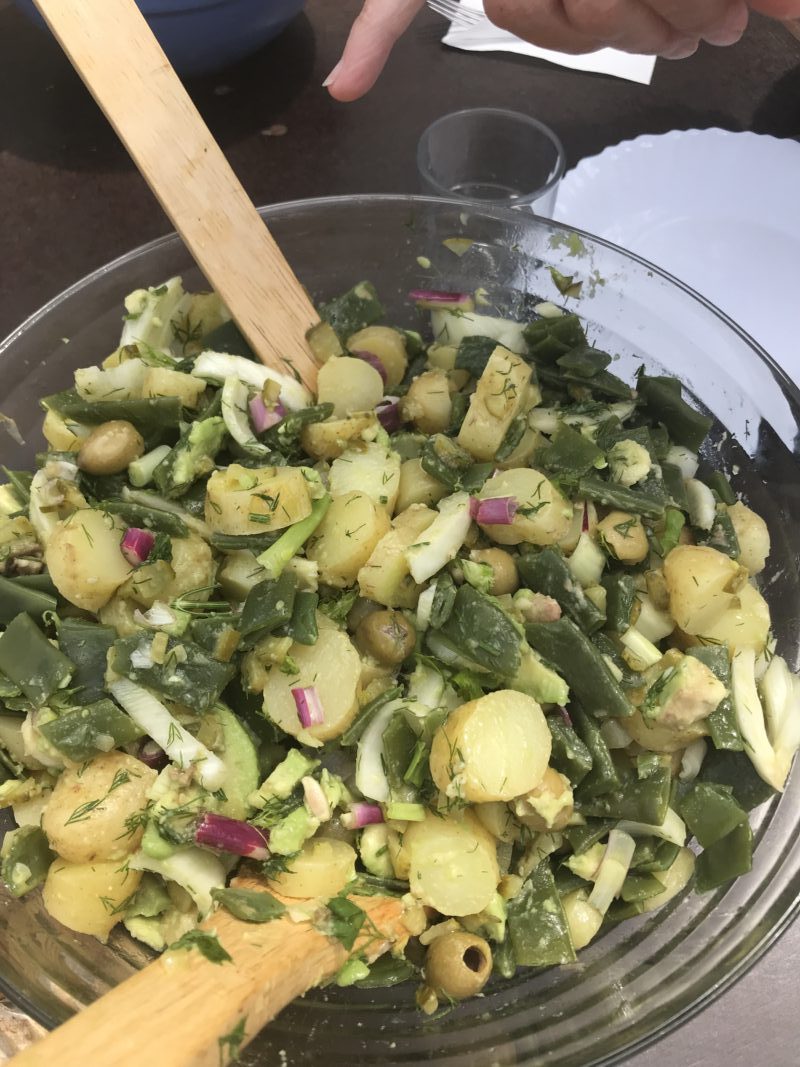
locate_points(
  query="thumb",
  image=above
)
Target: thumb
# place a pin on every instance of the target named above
(371, 39)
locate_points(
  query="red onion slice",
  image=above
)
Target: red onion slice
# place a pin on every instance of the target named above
(372, 359)
(437, 298)
(232, 835)
(152, 755)
(496, 511)
(262, 417)
(361, 815)
(310, 711)
(137, 545)
(388, 412)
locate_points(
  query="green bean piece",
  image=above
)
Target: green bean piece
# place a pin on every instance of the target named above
(569, 453)
(722, 725)
(722, 535)
(547, 339)
(367, 714)
(28, 658)
(254, 543)
(567, 882)
(640, 800)
(386, 972)
(82, 733)
(445, 460)
(665, 855)
(20, 482)
(710, 812)
(603, 777)
(146, 518)
(283, 437)
(503, 962)
(605, 646)
(644, 852)
(191, 458)
(187, 674)
(444, 597)
(250, 905)
(581, 838)
(614, 495)
(150, 899)
(353, 310)
(639, 886)
(482, 632)
(42, 583)
(459, 406)
(642, 435)
(574, 656)
(584, 362)
(15, 599)
(399, 744)
(86, 644)
(228, 338)
(153, 418)
(25, 857)
(603, 383)
(547, 572)
(218, 634)
(537, 926)
(725, 860)
(473, 354)
(339, 606)
(663, 400)
(569, 754)
(302, 626)
(408, 445)
(675, 486)
(620, 590)
(513, 435)
(725, 767)
(269, 605)
(719, 485)
(674, 521)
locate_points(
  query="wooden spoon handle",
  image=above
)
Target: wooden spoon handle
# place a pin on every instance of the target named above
(183, 1011)
(114, 51)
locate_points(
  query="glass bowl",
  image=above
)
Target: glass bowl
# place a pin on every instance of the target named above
(647, 974)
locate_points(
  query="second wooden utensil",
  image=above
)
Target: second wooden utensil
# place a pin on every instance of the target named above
(113, 49)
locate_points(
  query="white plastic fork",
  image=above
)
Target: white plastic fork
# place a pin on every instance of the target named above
(458, 15)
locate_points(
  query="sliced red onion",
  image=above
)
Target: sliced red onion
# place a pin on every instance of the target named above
(137, 545)
(496, 511)
(262, 417)
(565, 715)
(152, 754)
(310, 711)
(437, 298)
(362, 814)
(474, 506)
(388, 412)
(372, 359)
(232, 835)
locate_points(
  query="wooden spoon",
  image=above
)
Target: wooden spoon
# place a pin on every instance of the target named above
(184, 1011)
(114, 51)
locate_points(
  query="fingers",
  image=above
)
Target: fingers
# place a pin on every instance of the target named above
(720, 22)
(543, 23)
(777, 9)
(371, 39)
(625, 24)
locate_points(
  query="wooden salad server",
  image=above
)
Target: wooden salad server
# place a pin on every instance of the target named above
(113, 49)
(182, 1010)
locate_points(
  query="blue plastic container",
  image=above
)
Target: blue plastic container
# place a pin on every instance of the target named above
(201, 36)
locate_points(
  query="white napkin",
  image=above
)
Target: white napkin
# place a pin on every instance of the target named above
(485, 37)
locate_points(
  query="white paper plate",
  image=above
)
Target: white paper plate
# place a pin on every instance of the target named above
(719, 210)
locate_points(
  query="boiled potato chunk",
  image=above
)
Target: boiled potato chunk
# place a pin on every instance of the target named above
(346, 537)
(624, 537)
(327, 440)
(385, 577)
(493, 748)
(248, 500)
(63, 435)
(333, 666)
(370, 468)
(427, 403)
(321, 869)
(417, 486)
(88, 815)
(161, 381)
(752, 535)
(653, 737)
(500, 395)
(350, 385)
(388, 345)
(453, 863)
(84, 559)
(701, 584)
(745, 624)
(543, 515)
(87, 897)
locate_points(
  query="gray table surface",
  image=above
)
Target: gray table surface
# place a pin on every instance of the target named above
(70, 201)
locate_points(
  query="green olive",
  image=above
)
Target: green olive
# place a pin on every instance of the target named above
(506, 577)
(110, 447)
(386, 635)
(458, 964)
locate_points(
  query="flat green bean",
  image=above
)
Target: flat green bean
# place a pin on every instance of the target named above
(29, 660)
(547, 572)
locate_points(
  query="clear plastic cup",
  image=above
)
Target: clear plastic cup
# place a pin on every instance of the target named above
(493, 156)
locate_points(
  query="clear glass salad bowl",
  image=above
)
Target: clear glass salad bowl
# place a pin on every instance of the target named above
(647, 974)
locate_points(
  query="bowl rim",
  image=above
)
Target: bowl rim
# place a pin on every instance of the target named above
(770, 937)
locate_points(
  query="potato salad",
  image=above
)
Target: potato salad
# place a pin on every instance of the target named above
(477, 626)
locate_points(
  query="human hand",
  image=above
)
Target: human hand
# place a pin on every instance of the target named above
(669, 28)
